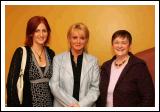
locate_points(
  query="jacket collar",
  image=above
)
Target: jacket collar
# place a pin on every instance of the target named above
(86, 65)
(132, 61)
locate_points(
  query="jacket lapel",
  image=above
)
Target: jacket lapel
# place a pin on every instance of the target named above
(123, 73)
(67, 64)
(85, 67)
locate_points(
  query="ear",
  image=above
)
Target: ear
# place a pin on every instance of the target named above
(130, 48)
(69, 39)
(31, 35)
(87, 40)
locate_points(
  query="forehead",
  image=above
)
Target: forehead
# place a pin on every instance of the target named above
(77, 32)
(41, 25)
(121, 38)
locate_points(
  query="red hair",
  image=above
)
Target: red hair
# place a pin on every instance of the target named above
(32, 26)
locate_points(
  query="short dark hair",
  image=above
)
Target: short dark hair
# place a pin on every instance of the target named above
(32, 26)
(123, 34)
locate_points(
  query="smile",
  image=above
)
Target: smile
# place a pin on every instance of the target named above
(119, 49)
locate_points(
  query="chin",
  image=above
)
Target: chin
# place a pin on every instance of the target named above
(42, 42)
(77, 49)
(120, 54)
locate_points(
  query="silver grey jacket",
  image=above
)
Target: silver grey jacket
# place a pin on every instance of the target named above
(62, 81)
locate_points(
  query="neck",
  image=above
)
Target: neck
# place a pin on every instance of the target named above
(76, 53)
(38, 50)
(121, 58)
(38, 47)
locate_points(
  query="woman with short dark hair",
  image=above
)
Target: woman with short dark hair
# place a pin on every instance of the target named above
(125, 79)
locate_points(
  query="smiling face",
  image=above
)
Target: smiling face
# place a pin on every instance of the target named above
(35, 26)
(78, 36)
(77, 40)
(40, 34)
(121, 46)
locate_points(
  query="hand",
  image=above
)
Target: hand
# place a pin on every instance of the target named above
(74, 105)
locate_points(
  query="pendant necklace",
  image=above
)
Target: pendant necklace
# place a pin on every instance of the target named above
(39, 55)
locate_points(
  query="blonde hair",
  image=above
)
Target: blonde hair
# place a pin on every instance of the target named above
(82, 27)
(79, 26)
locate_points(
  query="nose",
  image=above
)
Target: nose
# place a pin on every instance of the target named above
(41, 33)
(120, 45)
(78, 40)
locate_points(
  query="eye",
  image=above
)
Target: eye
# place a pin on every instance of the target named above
(74, 37)
(37, 30)
(115, 42)
(124, 42)
(44, 30)
(83, 38)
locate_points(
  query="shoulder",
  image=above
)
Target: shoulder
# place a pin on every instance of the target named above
(135, 60)
(137, 65)
(62, 58)
(90, 58)
(18, 51)
(17, 56)
(62, 55)
(107, 63)
(50, 51)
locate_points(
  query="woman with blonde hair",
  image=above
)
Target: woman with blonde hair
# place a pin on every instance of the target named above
(75, 79)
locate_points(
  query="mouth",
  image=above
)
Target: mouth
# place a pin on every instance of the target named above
(120, 50)
(77, 45)
(41, 38)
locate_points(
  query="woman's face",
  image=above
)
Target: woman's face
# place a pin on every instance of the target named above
(40, 35)
(77, 40)
(121, 46)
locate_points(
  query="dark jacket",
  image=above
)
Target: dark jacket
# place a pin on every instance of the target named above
(134, 86)
(12, 95)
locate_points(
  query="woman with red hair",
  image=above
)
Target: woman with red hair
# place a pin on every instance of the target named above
(38, 69)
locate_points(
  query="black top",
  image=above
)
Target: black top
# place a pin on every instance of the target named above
(12, 95)
(76, 74)
(43, 68)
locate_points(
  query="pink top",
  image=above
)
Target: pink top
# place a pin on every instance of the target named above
(114, 76)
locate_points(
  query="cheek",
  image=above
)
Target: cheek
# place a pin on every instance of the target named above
(46, 35)
(84, 42)
(126, 46)
(114, 46)
(35, 38)
(71, 42)
(35, 35)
